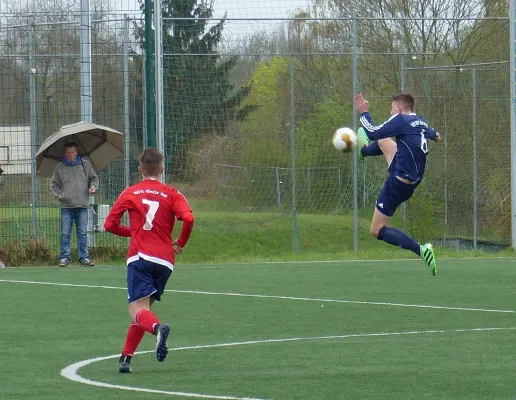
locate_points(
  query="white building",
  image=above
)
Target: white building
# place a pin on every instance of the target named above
(15, 149)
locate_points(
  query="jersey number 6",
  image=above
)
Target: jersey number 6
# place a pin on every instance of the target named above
(424, 142)
(153, 209)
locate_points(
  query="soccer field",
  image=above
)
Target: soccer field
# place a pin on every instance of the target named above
(323, 331)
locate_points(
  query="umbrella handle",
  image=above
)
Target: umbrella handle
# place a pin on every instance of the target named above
(93, 209)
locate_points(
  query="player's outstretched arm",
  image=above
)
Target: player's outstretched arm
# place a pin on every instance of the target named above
(390, 128)
(361, 104)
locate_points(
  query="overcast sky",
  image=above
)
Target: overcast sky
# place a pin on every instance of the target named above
(234, 9)
(240, 9)
(255, 9)
(258, 8)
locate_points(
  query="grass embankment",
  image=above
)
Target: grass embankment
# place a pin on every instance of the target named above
(220, 237)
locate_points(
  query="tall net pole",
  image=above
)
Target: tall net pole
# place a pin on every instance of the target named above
(355, 127)
(86, 90)
(158, 64)
(512, 22)
(149, 76)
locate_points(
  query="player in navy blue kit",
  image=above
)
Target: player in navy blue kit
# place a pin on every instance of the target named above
(407, 160)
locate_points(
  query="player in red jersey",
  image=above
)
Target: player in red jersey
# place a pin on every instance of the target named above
(153, 208)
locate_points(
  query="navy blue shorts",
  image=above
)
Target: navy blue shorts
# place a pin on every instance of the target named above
(145, 278)
(394, 192)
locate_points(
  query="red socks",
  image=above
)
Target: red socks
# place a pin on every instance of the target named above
(146, 320)
(133, 339)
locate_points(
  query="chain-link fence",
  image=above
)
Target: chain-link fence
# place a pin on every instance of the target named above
(468, 180)
(250, 106)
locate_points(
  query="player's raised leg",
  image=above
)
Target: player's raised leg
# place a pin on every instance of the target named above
(365, 148)
(396, 237)
(393, 193)
(363, 143)
(143, 316)
(389, 149)
(149, 322)
(146, 282)
(381, 231)
(161, 341)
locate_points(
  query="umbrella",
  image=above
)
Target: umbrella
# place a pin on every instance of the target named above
(96, 143)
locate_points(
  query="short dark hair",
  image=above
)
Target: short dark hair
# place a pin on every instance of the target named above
(151, 162)
(69, 145)
(407, 101)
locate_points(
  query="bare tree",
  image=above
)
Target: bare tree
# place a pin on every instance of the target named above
(445, 31)
(58, 64)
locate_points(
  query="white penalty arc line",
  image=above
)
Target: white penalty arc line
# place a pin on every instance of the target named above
(71, 372)
(264, 296)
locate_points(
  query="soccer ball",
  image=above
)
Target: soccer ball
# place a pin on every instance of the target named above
(344, 139)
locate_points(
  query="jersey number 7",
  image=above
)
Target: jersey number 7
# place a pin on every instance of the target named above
(153, 209)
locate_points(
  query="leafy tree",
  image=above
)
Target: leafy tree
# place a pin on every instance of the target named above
(199, 98)
(266, 132)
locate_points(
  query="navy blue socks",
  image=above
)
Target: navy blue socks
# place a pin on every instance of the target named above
(398, 238)
(372, 149)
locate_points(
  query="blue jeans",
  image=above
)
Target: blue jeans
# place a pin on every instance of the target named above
(68, 216)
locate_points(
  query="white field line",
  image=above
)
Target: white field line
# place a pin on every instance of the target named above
(269, 263)
(263, 296)
(71, 372)
(254, 263)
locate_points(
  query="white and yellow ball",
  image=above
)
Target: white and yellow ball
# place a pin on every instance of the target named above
(344, 139)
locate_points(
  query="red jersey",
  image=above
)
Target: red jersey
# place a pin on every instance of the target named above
(153, 208)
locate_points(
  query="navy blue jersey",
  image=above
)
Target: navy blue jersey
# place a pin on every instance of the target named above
(412, 134)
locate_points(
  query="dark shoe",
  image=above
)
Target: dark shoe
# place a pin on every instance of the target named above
(86, 262)
(124, 364)
(161, 342)
(63, 262)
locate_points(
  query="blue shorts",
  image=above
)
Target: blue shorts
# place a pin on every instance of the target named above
(394, 192)
(145, 278)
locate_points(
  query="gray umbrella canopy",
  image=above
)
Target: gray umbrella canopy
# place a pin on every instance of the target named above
(96, 143)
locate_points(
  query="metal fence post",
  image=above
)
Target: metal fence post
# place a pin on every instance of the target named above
(86, 94)
(127, 126)
(158, 86)
(33, 119)
(149, 76)
(355, 123)
(87, 98)
(474, 132)
(445, 139)
(278, 187)
(512, 29)
(293, 154)
(402, 78)
(145, 135)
